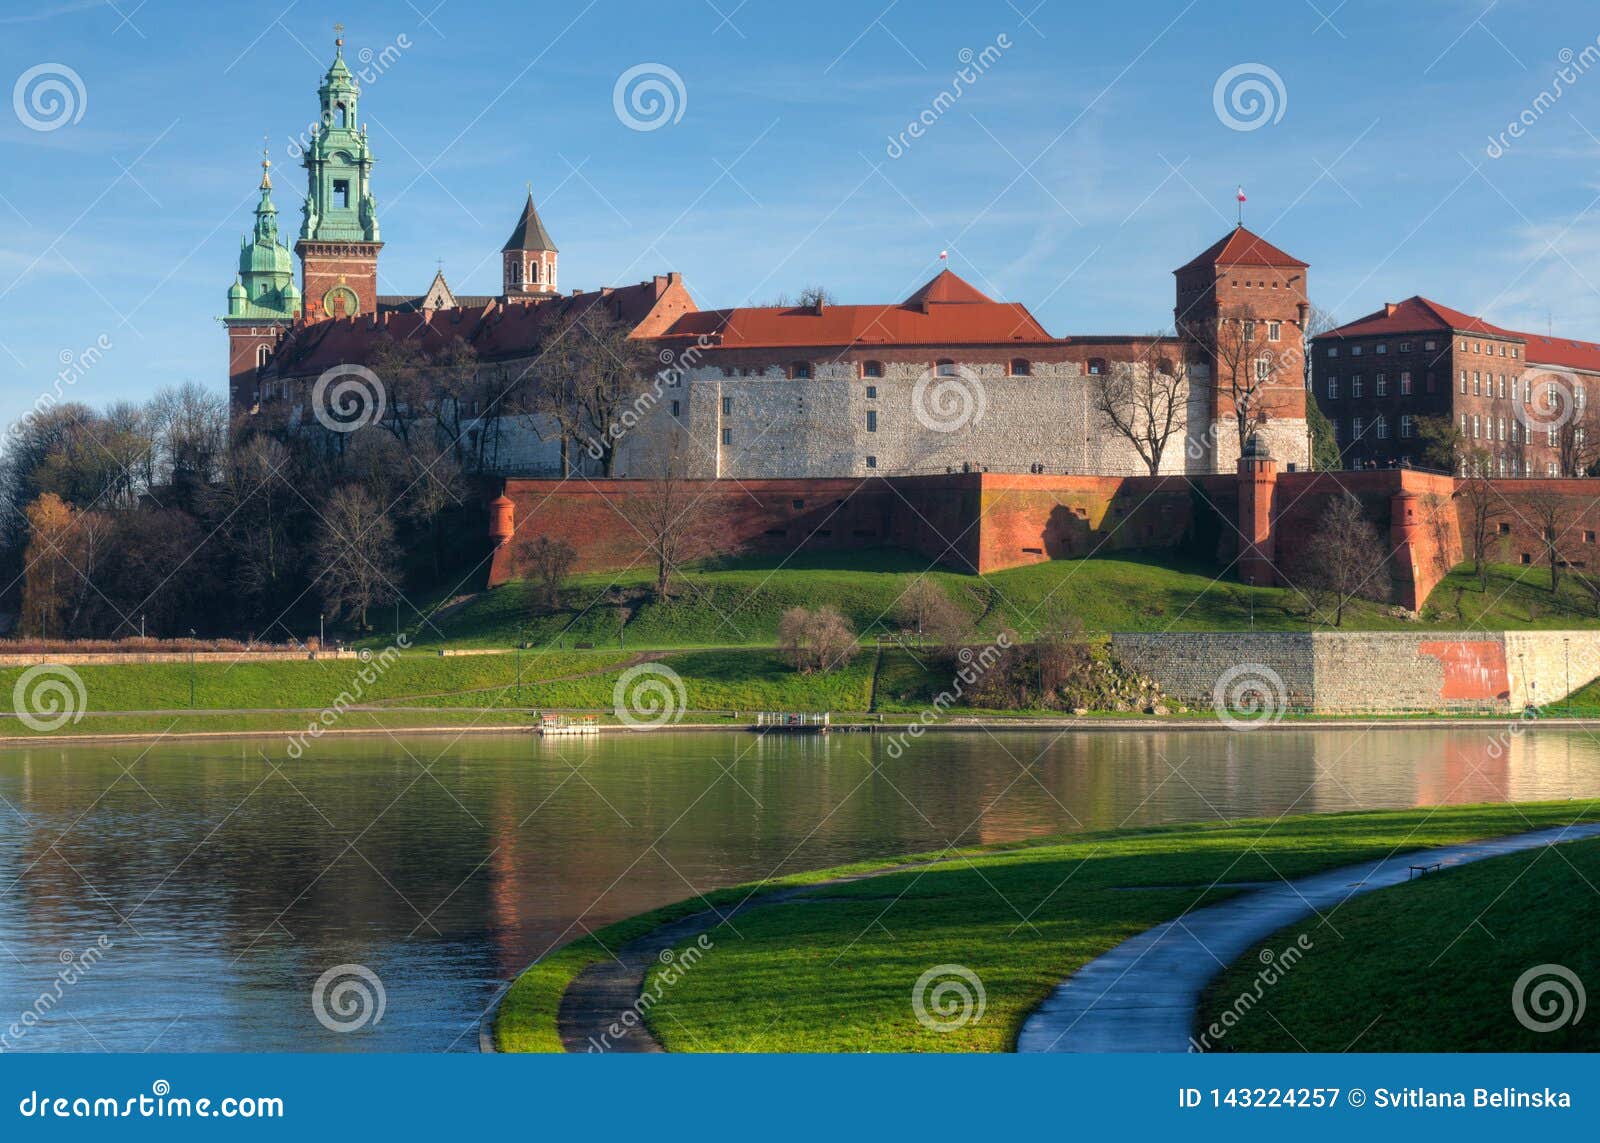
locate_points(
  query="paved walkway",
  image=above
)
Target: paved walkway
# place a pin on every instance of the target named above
(1144, 995)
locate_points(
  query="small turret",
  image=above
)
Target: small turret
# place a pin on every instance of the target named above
(528, 259)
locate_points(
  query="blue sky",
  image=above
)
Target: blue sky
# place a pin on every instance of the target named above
(1087, 161)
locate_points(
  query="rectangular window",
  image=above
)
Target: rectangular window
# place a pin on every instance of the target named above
(727, 436)
(727, 406)
(675, 408)
(1430, 346)
(1355, 428)
(1263, 369)
(872, 392)
(872, 462)
(341, 193)
(1333, 388)
(1463, 382)
(1405, 384)
(1405, 427)
(1274, 330)
(1502, 386)
(1382, 427)
(1380, 385)
(1405, 347)
(1333, 351)
(1477, 388)
(1355, 351)
(1382, 347)
(1475, 426)
(872, 420)
(1355, 386)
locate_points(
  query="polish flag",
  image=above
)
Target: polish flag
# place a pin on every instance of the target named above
(944, 255)
(1241, 194)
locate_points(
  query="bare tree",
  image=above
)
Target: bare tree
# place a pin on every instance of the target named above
(590, 371)
(549, 562)
(927, 609)
(1144, 402)
(1578, 441)
(1246, 369)
(816, 641)
(1343, 559)
(1550, 512)
(671, 517)
(357, 553)
(1482, 503)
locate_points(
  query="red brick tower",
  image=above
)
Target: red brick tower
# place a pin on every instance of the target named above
(1242, 306)
(1258, 480)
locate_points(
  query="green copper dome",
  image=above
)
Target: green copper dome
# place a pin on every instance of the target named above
(264, 288)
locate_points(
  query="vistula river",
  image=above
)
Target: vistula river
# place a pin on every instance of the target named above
(199, 891)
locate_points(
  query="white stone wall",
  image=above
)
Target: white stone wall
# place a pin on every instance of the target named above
(773, 426)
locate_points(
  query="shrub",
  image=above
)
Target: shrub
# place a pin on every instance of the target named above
(816, 641)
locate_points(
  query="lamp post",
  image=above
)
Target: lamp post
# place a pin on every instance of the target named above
(322, 635)
(191, 668)
(1566, 649)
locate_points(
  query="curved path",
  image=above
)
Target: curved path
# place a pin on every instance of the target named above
(1144, 995)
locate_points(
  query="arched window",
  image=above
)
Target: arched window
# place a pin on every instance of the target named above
(800, 371)
(944, 367)
(872, 369)
(1021, 367)
(341, 115)
(533, 271)
(1097, 366)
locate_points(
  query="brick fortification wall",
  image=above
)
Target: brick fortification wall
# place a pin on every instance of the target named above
(1338, 672)
(987, 522)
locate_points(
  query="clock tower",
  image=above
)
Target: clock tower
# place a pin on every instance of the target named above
(339, 244)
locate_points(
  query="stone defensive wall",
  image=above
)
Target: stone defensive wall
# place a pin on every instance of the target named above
(1371, 672)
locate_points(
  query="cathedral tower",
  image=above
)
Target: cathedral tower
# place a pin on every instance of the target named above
(339, 243)
(261, 301)
(528, 259)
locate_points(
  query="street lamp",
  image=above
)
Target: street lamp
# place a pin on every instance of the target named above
(322, 635)
(191, 668)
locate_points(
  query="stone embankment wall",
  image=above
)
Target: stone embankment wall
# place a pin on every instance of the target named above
(1376, 672)
(93, 658)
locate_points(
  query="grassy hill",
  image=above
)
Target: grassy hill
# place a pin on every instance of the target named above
(738, 603)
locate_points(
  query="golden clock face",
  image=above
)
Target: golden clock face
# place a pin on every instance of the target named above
(341, 301)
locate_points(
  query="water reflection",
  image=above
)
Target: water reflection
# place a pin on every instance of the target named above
(226, 887)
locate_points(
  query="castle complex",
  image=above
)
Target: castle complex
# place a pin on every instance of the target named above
(945, 380)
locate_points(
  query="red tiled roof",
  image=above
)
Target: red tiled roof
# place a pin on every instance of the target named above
(1243, 247)
(945, 311)
(1423, 315)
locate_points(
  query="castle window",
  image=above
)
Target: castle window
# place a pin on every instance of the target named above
(1333, 351)
(727, 436)
(341, 115)
(872, 420)
(1333, 388)
(1380, 385)
(1355, 428)
(1405, 347)
(872, 369)
(800, 371)
(1021, 367)
(1405, 384)
(1405, 427)
(1274, 329)
(727, 406)
(1502, 385)
(1097, 366)
(1263, 369)
(341, 193)
(1355, 351)
(1430, 346)
(1502, 429)
(1476, 388)
(872, 462)
(1463, 382)
(1381, 427)
(1355, 386)
(944, 367)
(872, 392)
(262, 353)
(1383, 347)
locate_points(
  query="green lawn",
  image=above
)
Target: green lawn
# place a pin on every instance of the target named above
(836, 972)
(1429, 966)
(738, 602)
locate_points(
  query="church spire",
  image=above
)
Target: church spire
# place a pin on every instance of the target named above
(528, 259)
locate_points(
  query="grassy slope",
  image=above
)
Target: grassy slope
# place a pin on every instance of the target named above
(837, 974)
(1468, 933)
(739, 603)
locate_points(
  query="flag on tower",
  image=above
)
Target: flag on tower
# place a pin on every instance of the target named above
(1241, 194)
(944, 255)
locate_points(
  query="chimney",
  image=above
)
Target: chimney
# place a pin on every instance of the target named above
(1389, 308)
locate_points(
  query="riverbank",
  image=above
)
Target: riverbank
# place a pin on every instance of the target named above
(834, 966)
